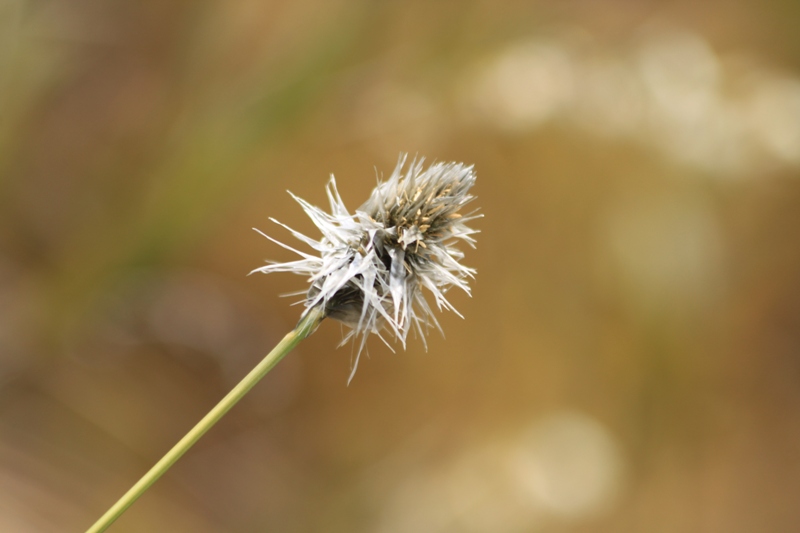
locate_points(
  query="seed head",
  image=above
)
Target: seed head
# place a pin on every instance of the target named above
(373, 264)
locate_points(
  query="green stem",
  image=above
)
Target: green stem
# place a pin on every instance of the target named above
(304, 328)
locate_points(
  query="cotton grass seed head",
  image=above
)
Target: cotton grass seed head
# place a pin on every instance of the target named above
(371, 266)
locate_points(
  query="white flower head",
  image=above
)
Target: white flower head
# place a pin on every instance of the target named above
(373, 264)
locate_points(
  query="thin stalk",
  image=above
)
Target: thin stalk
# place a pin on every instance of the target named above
(304, 328)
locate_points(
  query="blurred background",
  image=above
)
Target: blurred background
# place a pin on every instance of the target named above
(628, 361)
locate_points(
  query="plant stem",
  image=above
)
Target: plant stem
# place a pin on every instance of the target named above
(304, 328)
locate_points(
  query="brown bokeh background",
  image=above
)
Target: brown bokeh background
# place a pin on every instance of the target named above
(628, 361)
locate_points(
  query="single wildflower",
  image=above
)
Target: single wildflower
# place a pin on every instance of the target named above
(372, 265)
(370, 274)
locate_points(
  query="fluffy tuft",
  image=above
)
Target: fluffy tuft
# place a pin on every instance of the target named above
(372, 265)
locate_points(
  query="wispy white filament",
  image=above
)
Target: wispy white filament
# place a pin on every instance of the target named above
(372, 265)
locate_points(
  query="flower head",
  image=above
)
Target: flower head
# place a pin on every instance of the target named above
(373, 264)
